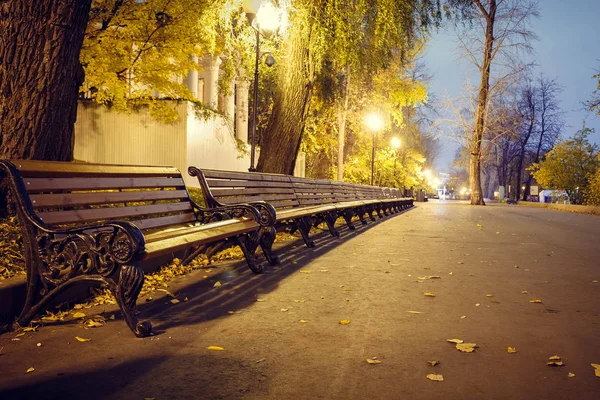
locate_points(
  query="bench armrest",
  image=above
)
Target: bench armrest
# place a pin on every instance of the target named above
(231, 211)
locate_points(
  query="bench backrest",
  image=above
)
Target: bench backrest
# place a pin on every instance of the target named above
(72, 194)
(228, 187)
(281, 191)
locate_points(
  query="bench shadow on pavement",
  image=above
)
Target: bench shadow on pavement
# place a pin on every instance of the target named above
(180, 376)
(239, 286)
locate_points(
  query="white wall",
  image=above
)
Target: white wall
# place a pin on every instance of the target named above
(211, 144)
(103, 135)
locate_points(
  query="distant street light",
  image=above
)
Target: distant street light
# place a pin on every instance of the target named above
(396, 145)
(375, 124)
(266, 20)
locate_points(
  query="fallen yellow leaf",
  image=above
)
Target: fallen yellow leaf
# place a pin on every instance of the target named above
(555, 361)
(434, 377)
(489, 295)
(570, 375)
(78, 314)
(466, 347)
(457, 341)
(344, 322)
(30, 369)
(215, 348)
(524, 292)
(429, 294)
(373, 361)
(217, 284)
(512, 350)
(596, 369)
(30, 329)
(463, 317)
(414, 312)
(303, 321)
(81, 339)
(285, 309)
(535, 301)
(174, 301)
(298, 301)
(305, 271)
(433, 363)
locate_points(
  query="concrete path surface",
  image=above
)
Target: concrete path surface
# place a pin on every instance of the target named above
(282, 336)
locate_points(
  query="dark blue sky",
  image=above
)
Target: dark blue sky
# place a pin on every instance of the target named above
(568, 50)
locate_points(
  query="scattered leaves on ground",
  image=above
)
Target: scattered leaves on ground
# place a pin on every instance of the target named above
(512, 350)
(463, 317)
(174, 301)
(82, 339)
(373, 360)
(435, 377)
(433, 363)
(298, 301)
(456, 341)
(30, 369)
(429, 294)
(524, 292)
(596, 369)
(217, 284)
(303, 321)
(535, 301)
(489, 295)
(305, 271)
(285, 309)
(79, 314)
(215, 348)
(570, 374)
(344, 322)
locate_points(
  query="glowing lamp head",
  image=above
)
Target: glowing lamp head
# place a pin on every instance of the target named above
(268, 17)
(374, 122)
(395, 142)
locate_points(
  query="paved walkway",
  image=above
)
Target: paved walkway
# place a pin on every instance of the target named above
(281, 333)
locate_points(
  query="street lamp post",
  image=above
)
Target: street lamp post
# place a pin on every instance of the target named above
(374, 123)
(266, 19)
(396, 145)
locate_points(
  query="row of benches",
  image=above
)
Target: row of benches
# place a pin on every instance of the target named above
(96, 223)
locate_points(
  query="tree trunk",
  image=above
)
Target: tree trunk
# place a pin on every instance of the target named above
(40, 75)
(484, 87)
(342, 114)
(283, 136)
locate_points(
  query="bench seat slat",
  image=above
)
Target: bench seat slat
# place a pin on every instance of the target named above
(79, 199)
(208, 234)
(240, 192)
(30, 168)
(55, 184)
(219, 183)
(101, 214)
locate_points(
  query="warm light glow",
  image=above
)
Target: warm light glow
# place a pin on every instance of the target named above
(395, 142)
(268, 17)
(427, 174)
(463, 191)
(435, 183)
(374, 122)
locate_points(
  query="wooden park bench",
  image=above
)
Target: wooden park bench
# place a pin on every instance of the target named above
(299, 203)
(95, 223)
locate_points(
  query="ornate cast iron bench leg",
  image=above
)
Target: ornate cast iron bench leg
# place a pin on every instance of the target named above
(249, 243)
(126, 289)
(347, 215)
(330, 220)
(304, 224)
(267, 238)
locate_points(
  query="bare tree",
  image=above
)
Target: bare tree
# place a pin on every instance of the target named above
(501, 35)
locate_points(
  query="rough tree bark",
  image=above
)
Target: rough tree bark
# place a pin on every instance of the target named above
(342, 114)
(482, 98)
(40, 75)
(283, 136)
